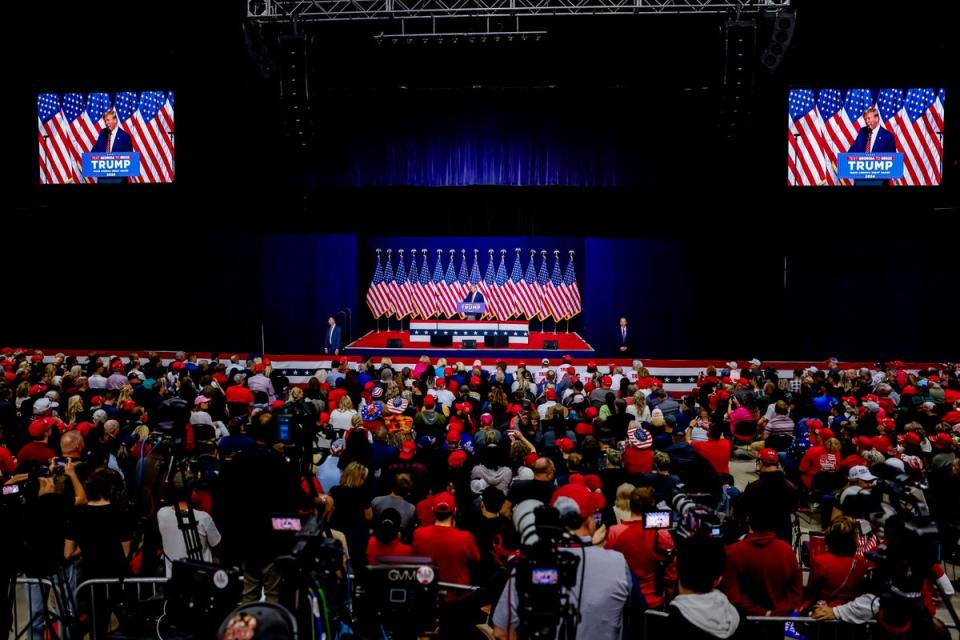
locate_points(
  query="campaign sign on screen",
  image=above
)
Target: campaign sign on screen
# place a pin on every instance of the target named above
(111, 165)
(870, 166)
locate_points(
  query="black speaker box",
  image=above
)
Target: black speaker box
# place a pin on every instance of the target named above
(496, 341)
(550, 344)
(469, 344)
(441, 341)
(394, 343)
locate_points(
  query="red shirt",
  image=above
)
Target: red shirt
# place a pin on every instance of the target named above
(762, 575)
(35, 452)
(836, 579)
(644, 555)
(376, 549)
(334, 397)
(450, 548)
(815, 460)
(638, 460)
(239, 394)
(717, 452)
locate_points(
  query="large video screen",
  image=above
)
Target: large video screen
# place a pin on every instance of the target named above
(105, 138)
(873, 137)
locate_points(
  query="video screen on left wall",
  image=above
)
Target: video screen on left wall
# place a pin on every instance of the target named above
(106, 137)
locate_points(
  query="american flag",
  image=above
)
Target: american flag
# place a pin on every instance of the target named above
(805, 164)
(540, 289)
(400, 288)
(487, 286)
(825, 123)
(82, 132)
(58, 165)
(461, 289)
(413, 284)
(570, 289)
(530, 298)
(506, 303)
(426, 294)
(448, 294)
(388, 284)
(558, 305)
(150, 127)
(378, 303)
(919, 136)
(514, 287)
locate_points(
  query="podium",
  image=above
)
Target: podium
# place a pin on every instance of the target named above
(869, 169)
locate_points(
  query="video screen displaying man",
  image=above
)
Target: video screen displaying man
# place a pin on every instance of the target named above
(106, 138)
(883, 136)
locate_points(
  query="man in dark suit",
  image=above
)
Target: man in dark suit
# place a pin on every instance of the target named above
(473, 296)
(624, 339)
(113, 139)
(331, 337)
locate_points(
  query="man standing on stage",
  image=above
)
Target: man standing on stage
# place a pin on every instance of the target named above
(474, 296)
(624, 339)
(331, 338)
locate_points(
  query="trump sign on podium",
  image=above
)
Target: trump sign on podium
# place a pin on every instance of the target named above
(111, 165)
(870, 166)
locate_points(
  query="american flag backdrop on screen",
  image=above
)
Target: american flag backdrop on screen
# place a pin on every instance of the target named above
(805, 162)
(71, 123)
(826, 122)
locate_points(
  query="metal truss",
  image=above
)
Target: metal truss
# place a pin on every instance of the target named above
(266, 11)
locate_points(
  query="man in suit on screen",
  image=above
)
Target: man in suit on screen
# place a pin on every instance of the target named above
(624, 339)
(112, 139)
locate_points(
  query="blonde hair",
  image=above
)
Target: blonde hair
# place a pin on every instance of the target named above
(354, 475)
(321, 375)
(639, 401)
(23, 389)
(296, 394)
(74, 407)
(425, 358)
(346, 404)
(111, 112)
(623, 496)
(126, 393)
(356, 420)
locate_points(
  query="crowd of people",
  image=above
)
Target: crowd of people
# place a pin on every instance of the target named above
(432, 460)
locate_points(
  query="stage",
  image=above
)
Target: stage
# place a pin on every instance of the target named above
(567, 344)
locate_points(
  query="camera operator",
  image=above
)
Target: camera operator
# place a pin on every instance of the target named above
(603, 580)
(256, 483)
(701, 610)
(45, 525)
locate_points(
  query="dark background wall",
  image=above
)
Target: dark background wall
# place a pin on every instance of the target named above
(580, 141)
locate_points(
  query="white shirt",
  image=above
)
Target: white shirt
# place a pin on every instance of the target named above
(174, 547)
(342, 420)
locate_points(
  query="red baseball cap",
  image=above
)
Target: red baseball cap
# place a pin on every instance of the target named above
(85, 427)
(590, 413)
(177, 365)
(38, 427)
(814, 425)
(96, 401)
(912, 438)
(129, 406)
(474, 381)
(551, 393)
(466, 407)
(276, 404)
(324, 418)
(444, 503)
(429, 402)
(38, 389)
(456, 459)
(769, 456)
(826, 434)
(408, 449)
(486, 419)
(566, 445)
(943, 441)
(606, 380)
(572, 495)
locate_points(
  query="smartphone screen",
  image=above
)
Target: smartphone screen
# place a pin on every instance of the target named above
(284, 422)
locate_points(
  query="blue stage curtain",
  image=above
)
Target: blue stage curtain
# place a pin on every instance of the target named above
(480, 141)
(306, 279)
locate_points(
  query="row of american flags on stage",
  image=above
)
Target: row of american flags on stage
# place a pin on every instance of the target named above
(421, 292)
(68, 125)
(825, 122)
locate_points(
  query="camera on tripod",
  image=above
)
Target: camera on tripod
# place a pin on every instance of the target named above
(545, 573)
(695, 519)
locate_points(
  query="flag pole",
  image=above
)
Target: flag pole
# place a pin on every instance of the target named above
(377, 319)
